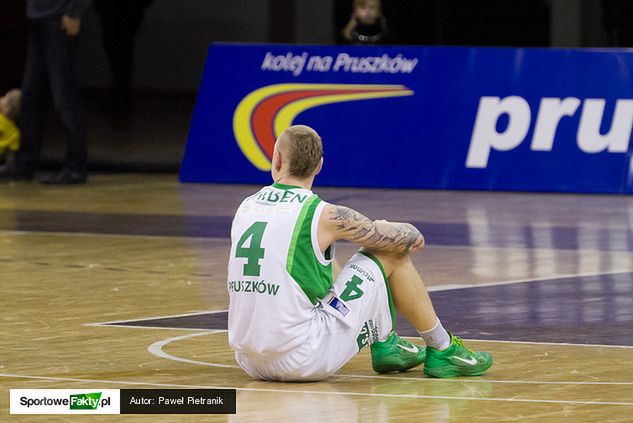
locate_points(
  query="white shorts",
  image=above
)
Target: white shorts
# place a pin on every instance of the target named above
(357, 311)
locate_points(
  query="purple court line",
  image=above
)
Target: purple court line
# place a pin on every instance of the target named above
(441, 234)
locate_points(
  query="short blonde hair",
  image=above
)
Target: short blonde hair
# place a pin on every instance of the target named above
(378, 3)
(305, 149)
(360, 3)
(14, 96)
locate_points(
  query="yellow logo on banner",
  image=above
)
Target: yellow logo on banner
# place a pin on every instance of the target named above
(263, 114)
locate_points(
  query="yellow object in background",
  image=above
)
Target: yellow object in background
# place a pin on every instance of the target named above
(9, 135)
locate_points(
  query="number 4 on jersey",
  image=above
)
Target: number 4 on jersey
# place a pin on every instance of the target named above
(352, 290)
(254, 252)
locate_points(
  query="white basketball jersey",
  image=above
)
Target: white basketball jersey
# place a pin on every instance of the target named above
(277, 273)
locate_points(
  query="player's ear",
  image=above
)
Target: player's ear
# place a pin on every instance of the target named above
(277, 160)
(318, 169)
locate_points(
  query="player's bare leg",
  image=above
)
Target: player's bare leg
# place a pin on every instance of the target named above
(409, 292)
(446, 354)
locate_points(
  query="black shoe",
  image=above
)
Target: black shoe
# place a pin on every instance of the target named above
(12, 173)
(64, 177)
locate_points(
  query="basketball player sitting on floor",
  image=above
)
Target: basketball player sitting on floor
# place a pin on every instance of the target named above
(9, 132)
(295, 315)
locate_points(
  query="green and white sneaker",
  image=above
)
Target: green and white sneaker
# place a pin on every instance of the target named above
(456, 360)
(395, 354)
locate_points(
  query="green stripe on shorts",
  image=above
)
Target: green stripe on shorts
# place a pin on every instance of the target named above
(392, 308)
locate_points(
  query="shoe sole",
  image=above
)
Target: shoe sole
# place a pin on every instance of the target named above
(388, 366)
(454, 371)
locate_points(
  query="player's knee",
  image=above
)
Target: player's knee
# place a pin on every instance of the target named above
(387, 255)
(388, 259)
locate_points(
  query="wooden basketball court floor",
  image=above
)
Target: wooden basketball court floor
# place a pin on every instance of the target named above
(121, 284)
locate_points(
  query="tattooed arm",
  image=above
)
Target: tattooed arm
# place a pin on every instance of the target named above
(338, 222)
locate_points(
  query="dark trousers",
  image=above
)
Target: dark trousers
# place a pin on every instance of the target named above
(120, 21)
(50, 63)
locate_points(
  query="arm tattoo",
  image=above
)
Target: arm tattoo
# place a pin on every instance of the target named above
(355, 227)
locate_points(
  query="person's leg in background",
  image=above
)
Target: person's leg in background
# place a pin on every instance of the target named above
(123, 68)
(113, 22)
(62, 72)
(34, 84)
(120, 21)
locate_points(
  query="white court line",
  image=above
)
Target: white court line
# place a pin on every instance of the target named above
(450, 287)
(510, 382)
(563, 344)
(298, 391)
(157, 349)
(143, 327)
(108, 235)
(445, 287)
(110, 325)
(522, 248)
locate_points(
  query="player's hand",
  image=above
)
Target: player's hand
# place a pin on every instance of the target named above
(71, 25)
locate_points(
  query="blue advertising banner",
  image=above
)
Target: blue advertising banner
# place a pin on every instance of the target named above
(420, 117)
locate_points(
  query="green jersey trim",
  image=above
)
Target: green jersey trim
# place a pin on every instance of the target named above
(313, 277)
(285, 187)
(392, 308)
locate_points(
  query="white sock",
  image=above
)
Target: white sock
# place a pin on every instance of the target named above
(437, 337)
